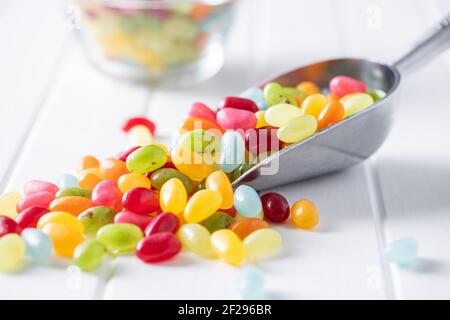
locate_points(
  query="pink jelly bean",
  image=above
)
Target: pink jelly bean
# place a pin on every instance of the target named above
(40, 199)
(238, 103)
(164, 222)
(30, 217)
(139, 220)
(107, 193)
(8, 225)
(123, 156)
(200, 110)
(342, 85)
(230, 118)
(35, 186)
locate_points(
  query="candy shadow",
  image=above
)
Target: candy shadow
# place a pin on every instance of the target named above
(427, 265)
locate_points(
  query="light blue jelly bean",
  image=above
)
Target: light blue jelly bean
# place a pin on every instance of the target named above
(247, 201)
(67, 181)
(257, 95)
(232, 151)
(402, 252)
(251, 283)
(38, 245)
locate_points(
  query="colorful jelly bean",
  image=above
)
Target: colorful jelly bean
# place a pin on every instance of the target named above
(107, 194)
(112, 169)
(251, 283)
(202, 205)
(161, 176)
(262, 243)
(238, 103)
(402, 252)
(73, 205)
(120, 238)
(74, 192)
(38, 245)
(218, 181)
(141, 201)
(140, 136)
(200, 110)
(29, 217)
(298, 129)
(8, 225)
(95, 218)
(261, 119)
(244, 227)
(357, 103)
(64, 238)
(196, 238)
(331, 114)
(230, 118)
(63, 218)
(133, 180)
(89, 178)
(196, 123)
(281, 114)
(158, 247)
(140, 220)
(39, 199)
(146, 159)
(228, 247)
(88, 162)
(217, 221)
(123, 156)
(247, 202)
(67, 181)
(136, 121)
(192, 164)
(232, 151)
(275, 207)
(12, 252)
(8, 204)
(314, 104)
(89, 255)
(304, 214)
(164, 222)
(173, 196)
(343, 85)
(273, 94)
(376, 94)
(262, 140)
(308, 87)
(36, 186)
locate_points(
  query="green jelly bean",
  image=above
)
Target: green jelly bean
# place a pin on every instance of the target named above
(200, 141)
(120, 238)
(217, 221)
(159, 177)
(291, 93)
(376, 94)
(74, 192)
(146, 159)
(89, 255)
(202, 185)
(95, 218)
(273, 94)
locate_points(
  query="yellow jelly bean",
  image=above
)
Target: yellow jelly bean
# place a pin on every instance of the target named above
(308, 87)
(173, 196)
(347, 97)
(65, 218)
(228, 246)
(130, 181)
(260, 119)
(280, 114)
(218, 181)
(202, 205)
(12, 251)
(262, 243)
(357, 103)
(195, 165)
(304, 214)
(314, 104)
(8, 204)
(64, 238)
(298, 129)
(140, 136)
(196, 238)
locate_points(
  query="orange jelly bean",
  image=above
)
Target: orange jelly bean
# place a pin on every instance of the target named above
(304, 214)
(87, 162)
(74, 205)
(64, 239)
(308, 87)
(89, 178)
(193, 123)
(332, 113)
(246, 226)
(113, 169)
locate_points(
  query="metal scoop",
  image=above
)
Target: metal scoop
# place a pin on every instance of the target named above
(356, 138)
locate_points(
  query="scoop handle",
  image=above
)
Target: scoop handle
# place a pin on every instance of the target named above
(433, 44)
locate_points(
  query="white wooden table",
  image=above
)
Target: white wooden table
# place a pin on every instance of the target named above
(55, 108)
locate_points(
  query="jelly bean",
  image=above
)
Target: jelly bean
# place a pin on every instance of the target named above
(200, 110)
(228, 247)
(64, 238)
(218, 181)
(231, 212)
(232, 151)
(35, 186)
(89, 255)
(192, 164)
(130, 123)
(158, 247)
(120, 238)
(140, 136)
(217, 221)
(8, 204)
(173, 196)
(294, 96)
(40, 199)
(74, 192)
(262, 140)
(238, 103)
(262, 243)
(273, 94)
(260, 119)
(201, 141)
(161, 176)
(146, 159)
(280, 114)
(12, 251)
(347, 97)
(196, 238)
(246, 201)
(123, 156)
(275, 207)
(67, 181)
(95, 218)
(202, 205)
(141, 201)
(62, 218)
(195, 123)
(29, 217)
(73, 205)
(230, 118)
(308, 87)
(112, 169)
(107, 194)
(298, 129)
(343, 85)
(251, 283)
(140, 220)
(87, 162)
(133, 180)
(8, 225)
(38, 245)
(304, 214)
(247, 226)
(403, 252)
(314, 104)
(376, 94)
(89, 178)
(164, 222)
(357, 103)
(256, 95)
(332, 113)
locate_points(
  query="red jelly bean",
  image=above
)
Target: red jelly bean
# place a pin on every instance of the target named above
(231, 212)
(130, 123)
(140, 220)
(40, 199)
(200, 110)
(342, 85)
(275, 207)
(141, 201)
(230, 118)
(164, 222)
(262, 140)
(158, 247)
(30, 217)
(123, 156)
(107, 193)
(8, 225)
(238, 103)
(35, 186)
